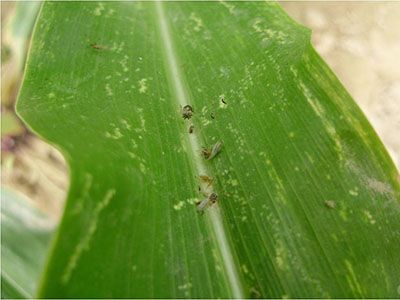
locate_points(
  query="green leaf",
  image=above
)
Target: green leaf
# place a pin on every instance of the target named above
(25, 236)
(308, 200)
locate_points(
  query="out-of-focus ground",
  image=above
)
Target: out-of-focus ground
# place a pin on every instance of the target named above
(29, 166)
(360, 42)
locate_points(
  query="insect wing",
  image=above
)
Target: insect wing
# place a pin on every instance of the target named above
(203, 204)
(215, 149)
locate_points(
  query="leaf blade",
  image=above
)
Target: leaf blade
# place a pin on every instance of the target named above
(286, 122)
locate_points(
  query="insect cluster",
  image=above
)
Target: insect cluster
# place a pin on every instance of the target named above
(207, 153)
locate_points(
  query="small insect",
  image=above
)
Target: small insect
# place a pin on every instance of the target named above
(206, 202)
(215, 149)
(206, 152)
(187, 112)
(213, 198)
(96, 46)
(212, 116)
(330, 204)
(211, 153)
(223, 100)
(205, 184)
(206, 179)
(191, 128)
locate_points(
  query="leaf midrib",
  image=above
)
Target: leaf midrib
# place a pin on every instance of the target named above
(192, 142)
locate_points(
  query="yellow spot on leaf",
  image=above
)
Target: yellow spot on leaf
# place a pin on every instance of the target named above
(142, 85)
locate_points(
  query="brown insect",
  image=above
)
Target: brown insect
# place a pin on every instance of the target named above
(206, 152)
(206, 179)
(223, 100)
(96, 46)
(213, 198)
(205, 185)
(191, 128)
(187, 112)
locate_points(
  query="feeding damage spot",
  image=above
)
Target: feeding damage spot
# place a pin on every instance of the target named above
(372, 184)
(115, 134)
(142, 85)
(354, 192)
(98, 10)
(84, 243)
(198, 22)
(179, 205)
(109, 91)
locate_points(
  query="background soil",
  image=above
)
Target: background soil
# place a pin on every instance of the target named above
(360, 41)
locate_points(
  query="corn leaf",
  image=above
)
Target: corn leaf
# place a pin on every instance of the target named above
(308, 198)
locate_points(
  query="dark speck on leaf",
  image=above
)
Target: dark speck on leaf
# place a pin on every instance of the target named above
(96, 46)
(187, 112)
(191, 128)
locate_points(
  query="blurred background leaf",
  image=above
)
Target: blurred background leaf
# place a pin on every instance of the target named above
(25, 237)
(15, 39)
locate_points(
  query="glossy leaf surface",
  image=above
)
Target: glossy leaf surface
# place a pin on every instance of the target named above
(308, 199)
